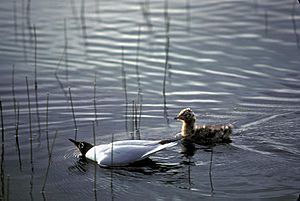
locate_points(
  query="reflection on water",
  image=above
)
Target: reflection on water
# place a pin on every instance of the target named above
(124, 69)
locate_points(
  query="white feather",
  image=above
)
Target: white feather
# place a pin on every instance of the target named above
(125, 152)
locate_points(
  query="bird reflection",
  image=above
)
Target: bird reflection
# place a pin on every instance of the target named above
(146, 166)
(188, 148)
(79, 165)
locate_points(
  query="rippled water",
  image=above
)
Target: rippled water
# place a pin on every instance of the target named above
(231, 61)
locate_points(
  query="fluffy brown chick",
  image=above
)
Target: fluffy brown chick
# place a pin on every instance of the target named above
(202, 134)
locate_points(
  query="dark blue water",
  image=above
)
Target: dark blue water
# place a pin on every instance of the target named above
(230, 61)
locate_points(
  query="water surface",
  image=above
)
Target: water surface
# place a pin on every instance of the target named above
(230, 61)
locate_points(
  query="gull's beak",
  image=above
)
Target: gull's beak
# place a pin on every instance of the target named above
(75, 142)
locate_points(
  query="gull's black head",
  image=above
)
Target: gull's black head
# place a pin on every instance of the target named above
(82, 146)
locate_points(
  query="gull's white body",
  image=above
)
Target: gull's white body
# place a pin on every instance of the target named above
(125, 152)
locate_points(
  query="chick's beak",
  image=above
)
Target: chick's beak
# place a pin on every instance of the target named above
(177, 118)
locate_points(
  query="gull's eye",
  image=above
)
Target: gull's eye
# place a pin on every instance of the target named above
(81, 145)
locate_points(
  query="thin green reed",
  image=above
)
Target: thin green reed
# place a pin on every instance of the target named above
(47, 126)
(17, 135)
(13, 89)
(29, 111)
(210, 171)
(95, 102)
(167, 47)
(112, 150)
(2, 153)
(2, 123)
(111, 169)
(295, 24)
(124, 86)
(66, 49)
(137, 60)
(49, 162)
(7, 187)
(95, 164)
(36, 82)
(138, 76)
(73, 112)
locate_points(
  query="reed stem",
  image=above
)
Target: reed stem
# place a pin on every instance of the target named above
(137, 60)
(17, 136)
(29, 111)
(2, 122)
(36, 82)
(295, 24)
(188, 15)
(13, 90)
(95, 102)
(124, 85)
(7, 188)
(266, 22)
(66, 50)
(49, 162)
(47, 120)
(23, 32)
(111, 169)
(210, 171)
(167, 46)
(2, 153)
(95, 164)
(83, 25)
(15, 22)
(112, 150)
(73, 112)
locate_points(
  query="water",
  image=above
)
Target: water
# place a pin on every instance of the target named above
(230, 61)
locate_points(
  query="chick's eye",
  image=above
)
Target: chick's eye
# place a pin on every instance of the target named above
(81, 145)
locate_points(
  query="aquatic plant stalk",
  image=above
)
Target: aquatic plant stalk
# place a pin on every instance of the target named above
(2, 123)
(7, 187)
(30, 142)
(15, 22)
(36, 82)
(49, 162)
(266, 22)
(17, 135)
(112, 150)
(137, 60)
(64, 54)
(29, 111)
(2, 153)
(124, 85)
(167, 46)
(47, 128)
(73, 112)
(210, 171)
(95, 164)
(95, 102)
(188, 15)
(295, 24)
(13, 90)
(66, 49)
(111, 169)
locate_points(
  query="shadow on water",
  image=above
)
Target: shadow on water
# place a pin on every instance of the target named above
(189, 149)
(145, 167)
